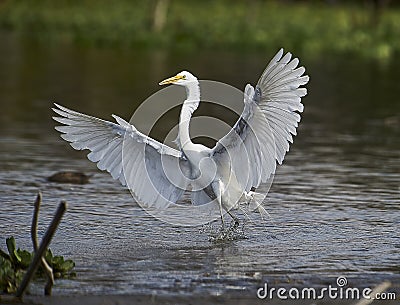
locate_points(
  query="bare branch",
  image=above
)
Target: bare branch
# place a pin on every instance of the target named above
(47, 269)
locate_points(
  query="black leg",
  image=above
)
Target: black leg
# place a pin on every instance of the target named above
(234, 218)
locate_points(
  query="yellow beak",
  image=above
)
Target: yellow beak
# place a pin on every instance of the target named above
(171, 80)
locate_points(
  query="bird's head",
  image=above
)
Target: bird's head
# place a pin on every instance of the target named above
(182, 78)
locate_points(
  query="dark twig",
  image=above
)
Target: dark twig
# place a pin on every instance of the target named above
(42, 248)
(47, 269)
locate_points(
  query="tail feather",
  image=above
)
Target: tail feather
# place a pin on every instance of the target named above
(255, 203)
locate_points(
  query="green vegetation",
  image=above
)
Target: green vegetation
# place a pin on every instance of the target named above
(309, 28)
(14, 264)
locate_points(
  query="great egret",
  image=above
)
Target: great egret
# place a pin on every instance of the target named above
(226, 174)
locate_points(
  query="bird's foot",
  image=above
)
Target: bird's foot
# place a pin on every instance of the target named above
(228, 233)
(235, 223)
(235, 219)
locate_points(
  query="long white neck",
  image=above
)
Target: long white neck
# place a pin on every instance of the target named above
(189, 106)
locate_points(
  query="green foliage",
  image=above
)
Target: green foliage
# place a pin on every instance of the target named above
(14, 264)
(61, 268)
(17, 257)
(304, 27)
(9, 276)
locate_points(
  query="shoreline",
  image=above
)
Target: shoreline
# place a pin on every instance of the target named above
(304, 28)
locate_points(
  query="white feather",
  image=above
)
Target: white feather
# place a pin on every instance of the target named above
(120, 147)
(272, 119)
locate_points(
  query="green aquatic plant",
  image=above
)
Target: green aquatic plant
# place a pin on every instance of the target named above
(14, 264)
(61, 268)
(9, 276)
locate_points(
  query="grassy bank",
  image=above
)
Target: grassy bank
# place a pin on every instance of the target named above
(241, 25)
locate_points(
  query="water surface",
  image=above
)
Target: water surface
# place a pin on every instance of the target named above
(334, 204)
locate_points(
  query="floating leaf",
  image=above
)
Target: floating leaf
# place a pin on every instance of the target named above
(26, 258)
(9, 277)
(67, 265)
(57, 261)
(49, 256)
(11, 246)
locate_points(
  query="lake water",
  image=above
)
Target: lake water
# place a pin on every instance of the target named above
(334, 204)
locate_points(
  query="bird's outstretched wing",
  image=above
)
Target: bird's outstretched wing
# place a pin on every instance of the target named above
(154, 172)
(261, 136)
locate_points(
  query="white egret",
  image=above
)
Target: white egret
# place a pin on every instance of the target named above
(226, 174)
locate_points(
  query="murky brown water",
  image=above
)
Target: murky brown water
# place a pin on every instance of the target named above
(334, 204)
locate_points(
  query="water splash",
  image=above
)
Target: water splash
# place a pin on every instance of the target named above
(221, 234)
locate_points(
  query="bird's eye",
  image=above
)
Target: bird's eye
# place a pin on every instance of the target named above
(183, 76)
